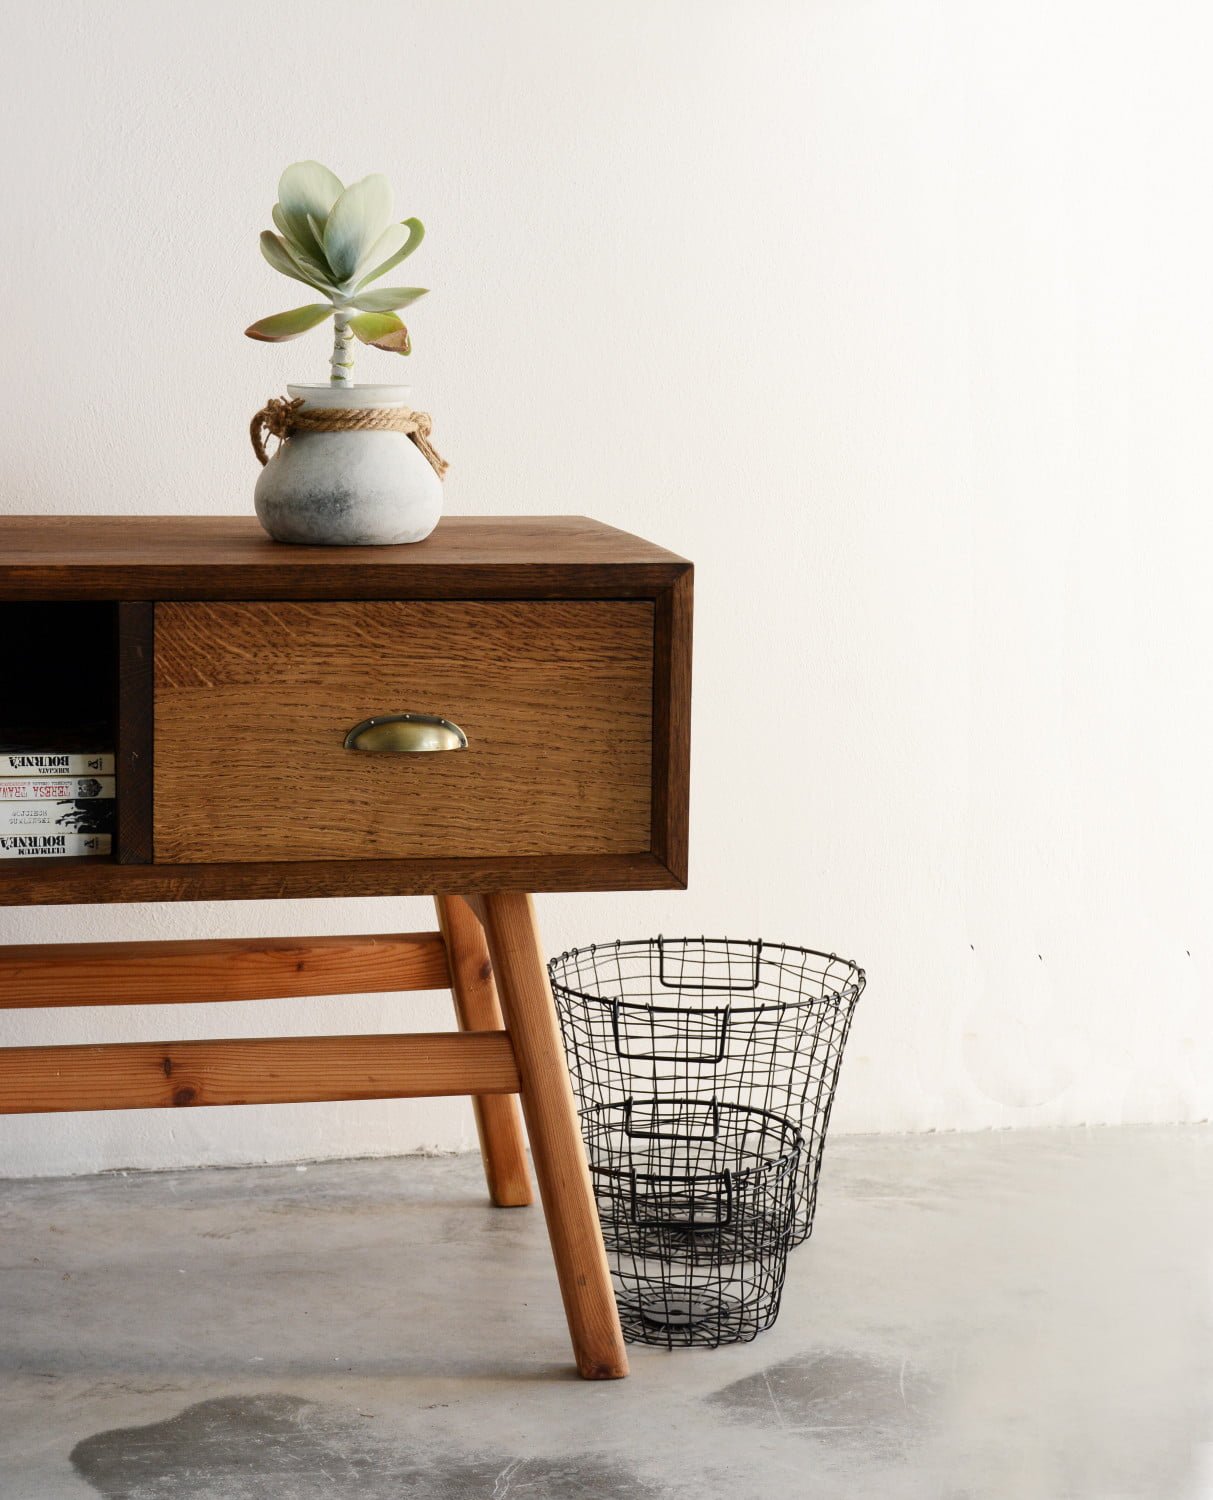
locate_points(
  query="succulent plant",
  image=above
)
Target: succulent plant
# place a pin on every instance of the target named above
(338, 240)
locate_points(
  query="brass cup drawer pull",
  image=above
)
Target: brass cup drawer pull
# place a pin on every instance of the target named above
(405, 734)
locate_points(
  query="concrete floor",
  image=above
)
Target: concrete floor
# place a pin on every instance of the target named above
(1019, 1315)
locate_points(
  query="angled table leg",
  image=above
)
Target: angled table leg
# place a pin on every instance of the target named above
(497, 1123)
(556, 1149)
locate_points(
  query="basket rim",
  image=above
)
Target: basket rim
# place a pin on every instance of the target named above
(788, 1158)
(851, 988)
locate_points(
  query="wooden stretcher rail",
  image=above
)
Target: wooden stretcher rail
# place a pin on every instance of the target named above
(256, 1070)
(159, 973)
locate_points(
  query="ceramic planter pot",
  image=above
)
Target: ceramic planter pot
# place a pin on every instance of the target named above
(349, 489)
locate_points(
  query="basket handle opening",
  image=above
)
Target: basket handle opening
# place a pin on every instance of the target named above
(683, 1112)
(714, 1048)
(681, 1213)
(728, 986)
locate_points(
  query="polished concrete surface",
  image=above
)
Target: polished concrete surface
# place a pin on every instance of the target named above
(1020, 1315)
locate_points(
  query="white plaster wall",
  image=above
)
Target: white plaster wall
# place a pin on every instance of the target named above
(895, 318)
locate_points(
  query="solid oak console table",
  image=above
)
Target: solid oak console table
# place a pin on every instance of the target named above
(499, 710)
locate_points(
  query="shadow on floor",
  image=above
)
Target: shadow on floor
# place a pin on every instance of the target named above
(245, 1447)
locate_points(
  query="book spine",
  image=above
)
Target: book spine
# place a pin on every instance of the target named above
(41, 845)
(55, 763)
(89, 816)
(55, 788)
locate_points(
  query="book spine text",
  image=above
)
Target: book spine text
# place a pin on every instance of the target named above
(54, 788)
(55, 763)
(88, 816)
(40, 845)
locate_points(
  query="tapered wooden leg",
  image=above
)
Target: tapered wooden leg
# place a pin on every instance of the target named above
(497, 1121)
(556, 1148)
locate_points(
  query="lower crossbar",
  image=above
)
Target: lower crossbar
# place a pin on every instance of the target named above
(256, 1070)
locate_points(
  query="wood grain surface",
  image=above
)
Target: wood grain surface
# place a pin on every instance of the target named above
(194, 971)
(141, 559)
(60, 882)
(257, 1070)
(253, 702)
(556, 1147)
(498, 1123)
(230, 557)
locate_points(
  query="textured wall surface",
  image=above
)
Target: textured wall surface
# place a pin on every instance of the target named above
(894, 319)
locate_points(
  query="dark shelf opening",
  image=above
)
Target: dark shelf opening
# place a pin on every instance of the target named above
(58, 681)
(58, 676)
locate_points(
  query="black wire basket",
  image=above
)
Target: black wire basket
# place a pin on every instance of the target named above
(696, 1200)
(712, 1019)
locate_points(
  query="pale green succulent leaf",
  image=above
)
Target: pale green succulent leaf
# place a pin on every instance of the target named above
(282, 224)
(279, 254)
(317, 227)
(393, 253)
(355, 222)
(307, 189)
(307, 256)
(289, 325)
(393, 238)
(382, 329)
(388, 298)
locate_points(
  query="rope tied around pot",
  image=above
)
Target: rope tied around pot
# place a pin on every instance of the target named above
(280, 418)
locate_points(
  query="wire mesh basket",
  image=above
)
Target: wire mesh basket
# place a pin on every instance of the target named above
(737, 1020)
(696, 1200)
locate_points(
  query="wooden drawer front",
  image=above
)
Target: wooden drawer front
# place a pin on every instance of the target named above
(253, 702)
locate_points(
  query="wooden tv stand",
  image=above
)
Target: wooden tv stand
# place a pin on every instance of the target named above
(239, 677)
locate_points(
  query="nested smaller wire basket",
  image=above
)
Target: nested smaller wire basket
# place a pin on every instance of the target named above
(696, 1199)
(739, 1021)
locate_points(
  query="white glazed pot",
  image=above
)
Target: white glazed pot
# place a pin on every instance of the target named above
(349, 489)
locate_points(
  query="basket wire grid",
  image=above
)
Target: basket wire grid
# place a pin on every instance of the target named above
(728, 1019)
(696, 1200)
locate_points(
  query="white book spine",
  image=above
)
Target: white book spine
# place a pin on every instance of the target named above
(42, 845)
(94, 815)
(54, 788)
(55, 763)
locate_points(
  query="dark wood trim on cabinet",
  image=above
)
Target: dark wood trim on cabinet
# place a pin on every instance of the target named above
(133, 751)
(230, 557)
(66, 882)
(672, 724)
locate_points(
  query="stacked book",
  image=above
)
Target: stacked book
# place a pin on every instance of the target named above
(55, 802)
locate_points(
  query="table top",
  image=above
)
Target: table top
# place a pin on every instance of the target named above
(194, 557)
